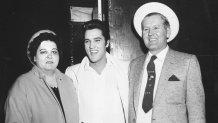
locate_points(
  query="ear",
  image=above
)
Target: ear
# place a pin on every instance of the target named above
(107, 43)
(34, 59)
(168, 32)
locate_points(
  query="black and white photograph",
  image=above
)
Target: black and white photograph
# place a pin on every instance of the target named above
(109, 61)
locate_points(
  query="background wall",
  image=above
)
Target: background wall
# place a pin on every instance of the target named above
(198, 35)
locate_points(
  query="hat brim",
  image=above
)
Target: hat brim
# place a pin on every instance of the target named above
(157, 7)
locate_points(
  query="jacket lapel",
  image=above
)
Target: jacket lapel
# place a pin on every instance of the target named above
(139, 70)
(69, 100)
(167, 68)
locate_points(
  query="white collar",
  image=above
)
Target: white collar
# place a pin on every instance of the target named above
(85, 61)
(161, 55)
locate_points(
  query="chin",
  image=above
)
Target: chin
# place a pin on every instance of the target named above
(93, 61)
(152, 48)
(51, 68)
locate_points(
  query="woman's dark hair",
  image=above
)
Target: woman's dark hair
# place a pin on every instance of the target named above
(34, 45)
(97, 24)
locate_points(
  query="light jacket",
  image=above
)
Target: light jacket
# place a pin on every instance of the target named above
(31, 100)
(180, 94)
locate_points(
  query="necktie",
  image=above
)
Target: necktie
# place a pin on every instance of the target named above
(148, 95)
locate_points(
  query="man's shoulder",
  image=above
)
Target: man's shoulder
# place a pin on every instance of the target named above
(73, 68)
(122, 62)
(137, 62)
(119, 63)
(139, 58)
(181, 55)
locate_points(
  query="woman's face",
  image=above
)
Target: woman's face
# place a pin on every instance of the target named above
(47, 56)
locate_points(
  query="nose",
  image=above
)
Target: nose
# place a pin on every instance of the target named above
(92, 44)
(150, 32)
(49, 55)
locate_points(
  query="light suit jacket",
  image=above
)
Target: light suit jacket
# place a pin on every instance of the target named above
(180, 95)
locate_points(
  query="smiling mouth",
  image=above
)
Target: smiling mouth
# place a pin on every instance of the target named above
(152, 39)
(93, 51)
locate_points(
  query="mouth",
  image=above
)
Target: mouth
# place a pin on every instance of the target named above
(49, 62)
(93, 51)
(152, 39)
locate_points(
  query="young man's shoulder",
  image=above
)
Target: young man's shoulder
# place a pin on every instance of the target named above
(73, 68)
(121, 62)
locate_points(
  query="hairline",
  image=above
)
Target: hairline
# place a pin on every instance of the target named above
(164, 18)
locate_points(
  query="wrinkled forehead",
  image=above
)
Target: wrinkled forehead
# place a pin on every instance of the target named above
(156, 17)
(153, 20)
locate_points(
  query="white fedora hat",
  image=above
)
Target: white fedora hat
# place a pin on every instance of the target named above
(156, 7)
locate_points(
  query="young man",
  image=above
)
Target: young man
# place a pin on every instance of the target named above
(102, 81)
(165, 85)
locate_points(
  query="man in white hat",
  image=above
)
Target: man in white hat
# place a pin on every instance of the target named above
(165, 85)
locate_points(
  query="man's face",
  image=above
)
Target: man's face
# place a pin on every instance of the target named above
(154, 33)
(95, 46)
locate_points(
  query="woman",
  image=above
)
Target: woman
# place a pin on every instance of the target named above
(44, 94)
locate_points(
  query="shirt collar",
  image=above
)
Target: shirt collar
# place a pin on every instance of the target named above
(161, 55)
(85, 61)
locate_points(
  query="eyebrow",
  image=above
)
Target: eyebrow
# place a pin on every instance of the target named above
(52, 49)
(156, 25)
(95, 38)
(98, 38)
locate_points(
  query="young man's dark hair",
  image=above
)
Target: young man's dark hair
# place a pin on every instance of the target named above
(93, 24)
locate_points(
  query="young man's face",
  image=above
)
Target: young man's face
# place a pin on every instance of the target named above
(154, 33)
(95, 46)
